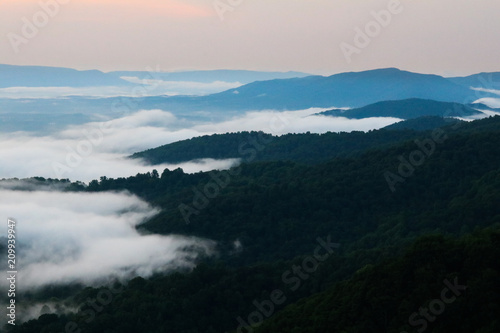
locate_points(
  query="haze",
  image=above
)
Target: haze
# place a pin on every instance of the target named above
(426, 36)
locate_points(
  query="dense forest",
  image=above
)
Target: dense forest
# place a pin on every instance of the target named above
(440, 284)
(336, 232)
(305, 148)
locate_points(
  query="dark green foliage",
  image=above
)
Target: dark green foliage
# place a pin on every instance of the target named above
(378, 298)
(40, 183)
(278, 209)
(384, 298)
(305, 148)
(258, 146)
(422, 123)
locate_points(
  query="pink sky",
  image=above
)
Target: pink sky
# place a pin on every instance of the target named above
(449, 37)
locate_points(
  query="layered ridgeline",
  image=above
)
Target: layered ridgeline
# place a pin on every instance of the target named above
(134, 91)
(40, 76)
(47, 99)
(209, 76)
(406, 109)
(490, 81)
(355, 89)
(301, 229)
(282, 206)
(310, 148)
(259, 146)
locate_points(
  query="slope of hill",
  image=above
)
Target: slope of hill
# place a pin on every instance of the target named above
(406, 109)
(306, 148)
(445, 285)
(425, 123)
(276, 211)
(38, 76)
(480, 80)
(285, 205)
(340, 90)
(482, 106)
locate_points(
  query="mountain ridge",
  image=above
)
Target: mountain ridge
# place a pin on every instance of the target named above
(46, 76)
(353, 89)
(208, 76)
(406, 109)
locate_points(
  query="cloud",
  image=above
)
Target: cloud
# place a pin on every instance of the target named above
(90, 238)
(283, 122)
(161, 87)
(491, 91)
(96, 149)
(60, 92)
(489, 101)
(148, 88)
(33, 184)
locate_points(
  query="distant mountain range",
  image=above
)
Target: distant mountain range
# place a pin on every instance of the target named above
(241, 76)
(37, 76)
(40, 76)
(406, 109)
(481, 80)
(355, 90)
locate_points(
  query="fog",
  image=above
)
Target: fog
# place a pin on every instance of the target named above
(161, 87)
(89, 238)
(489, 101)
(151, 88)
(92, 150)
(302, 121)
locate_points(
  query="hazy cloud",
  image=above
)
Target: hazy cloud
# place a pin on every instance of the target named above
(151, 88)
(290, 35)
(59, 92)
(160, 87)
(98, 149)
(491, 91)
(490, 101)
(283, 122)
(93, 150)
(89, 238)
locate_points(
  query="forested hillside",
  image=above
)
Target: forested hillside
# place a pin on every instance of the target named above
(275, 209)
(439, 285)
(305, 148)
(346, 241)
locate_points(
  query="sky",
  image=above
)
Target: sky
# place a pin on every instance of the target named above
(446, 37)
